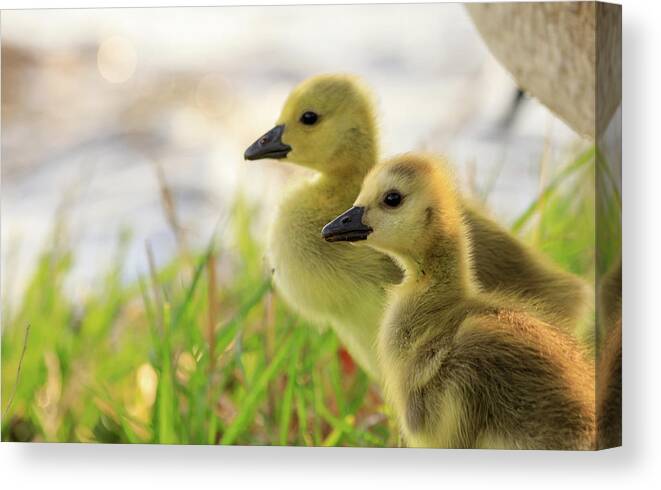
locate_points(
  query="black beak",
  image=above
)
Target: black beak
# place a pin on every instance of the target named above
(348, 227)
(269, 145)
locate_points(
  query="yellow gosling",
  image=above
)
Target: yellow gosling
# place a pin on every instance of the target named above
(462, 368)
(328, 125)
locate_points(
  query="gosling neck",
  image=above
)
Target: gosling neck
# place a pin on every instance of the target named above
(442, 264)
(352, 161)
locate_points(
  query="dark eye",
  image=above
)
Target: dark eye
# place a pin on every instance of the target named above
(309, 118)
(392, 199)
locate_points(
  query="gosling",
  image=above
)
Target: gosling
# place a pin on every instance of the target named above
(328, 125)
(461, 368)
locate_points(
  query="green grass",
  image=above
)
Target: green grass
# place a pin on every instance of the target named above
(183, 357)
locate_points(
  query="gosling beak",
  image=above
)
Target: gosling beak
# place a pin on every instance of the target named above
(348, 227)
(269, 145)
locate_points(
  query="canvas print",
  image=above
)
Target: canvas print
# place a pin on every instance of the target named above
(342, 225)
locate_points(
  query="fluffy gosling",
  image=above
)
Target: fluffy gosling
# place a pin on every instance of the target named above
(328, 125)
(461, 368)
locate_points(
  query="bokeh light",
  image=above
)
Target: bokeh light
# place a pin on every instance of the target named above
(116, 59)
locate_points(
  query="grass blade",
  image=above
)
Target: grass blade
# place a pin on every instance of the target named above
(288, 398)
(257, 392)
(18, 372)
(226, 334)
(583, 159)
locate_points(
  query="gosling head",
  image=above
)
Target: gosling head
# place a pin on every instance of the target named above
(327, 124)
(404, 204)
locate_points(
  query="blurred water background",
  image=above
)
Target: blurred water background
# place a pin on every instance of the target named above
(99, 104)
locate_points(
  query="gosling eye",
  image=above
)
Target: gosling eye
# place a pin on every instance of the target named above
(392, 199)
(309, 118)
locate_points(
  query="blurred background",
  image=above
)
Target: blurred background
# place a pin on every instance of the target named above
(123, 128)
(100, 98)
